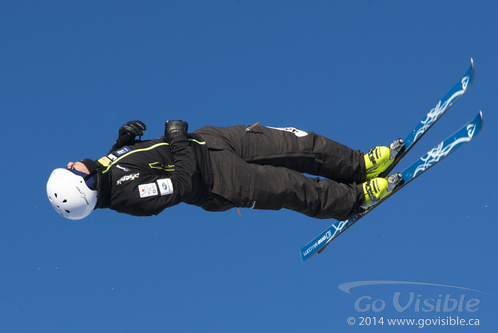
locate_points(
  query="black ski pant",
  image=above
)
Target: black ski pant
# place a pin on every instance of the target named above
(265, 168)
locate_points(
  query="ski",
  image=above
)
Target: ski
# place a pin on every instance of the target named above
(442, 106)
(430, 119)
(435, 155)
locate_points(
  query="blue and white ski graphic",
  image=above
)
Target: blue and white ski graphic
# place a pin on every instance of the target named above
(435, 155)
(451, 97)
(430, 119)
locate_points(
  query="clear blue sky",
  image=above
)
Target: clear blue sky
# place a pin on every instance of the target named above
(360, 72)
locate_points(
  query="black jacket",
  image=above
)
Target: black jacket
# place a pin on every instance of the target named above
(145, 178)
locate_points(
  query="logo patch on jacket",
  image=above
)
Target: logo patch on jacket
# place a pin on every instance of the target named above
(127, 177)
(122, 151)
(122, 168)
(105, 161)
(165, 186)
(147, 190)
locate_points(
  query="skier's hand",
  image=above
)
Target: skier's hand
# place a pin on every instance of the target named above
(128, 132)
(174, 128)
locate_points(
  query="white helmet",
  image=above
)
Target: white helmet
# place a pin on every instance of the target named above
(69, 194)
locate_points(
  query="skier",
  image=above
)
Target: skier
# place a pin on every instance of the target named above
(222, 168)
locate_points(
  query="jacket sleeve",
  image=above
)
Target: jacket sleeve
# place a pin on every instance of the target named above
(185, 165)
(150, 194)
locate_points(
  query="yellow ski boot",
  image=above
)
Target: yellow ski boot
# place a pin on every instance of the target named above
(374, 190)
(378, 188)
(378, 159)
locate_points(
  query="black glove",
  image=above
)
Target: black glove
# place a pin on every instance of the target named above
(174, 128)
(128, 132)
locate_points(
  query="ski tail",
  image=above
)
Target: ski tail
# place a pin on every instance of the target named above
(434, 156)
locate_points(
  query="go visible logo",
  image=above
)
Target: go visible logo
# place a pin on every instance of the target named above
(417, 301)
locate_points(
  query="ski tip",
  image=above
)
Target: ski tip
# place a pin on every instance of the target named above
(472, 73)
(477, 123)
(472, 68)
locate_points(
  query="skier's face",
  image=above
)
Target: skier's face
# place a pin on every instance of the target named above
(78, 166)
